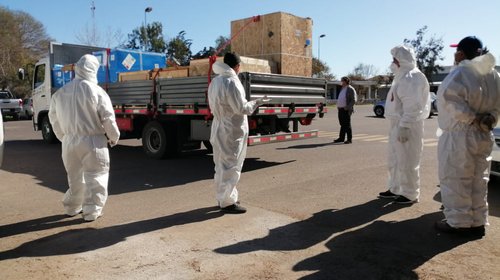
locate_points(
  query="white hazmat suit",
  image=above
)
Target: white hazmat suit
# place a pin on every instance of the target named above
(229, 133)
(83, 119)
(472, 88)
(407, 105)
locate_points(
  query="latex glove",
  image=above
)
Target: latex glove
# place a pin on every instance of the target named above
(262, 100)
(403, 134)
(485, 122)
(112, 143)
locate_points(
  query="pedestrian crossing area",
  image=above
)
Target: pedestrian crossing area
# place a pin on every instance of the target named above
(428, 142)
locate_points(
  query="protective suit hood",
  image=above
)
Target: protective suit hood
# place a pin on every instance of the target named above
(406, 57)
(484, 63)
(86, 68)
(220, 68)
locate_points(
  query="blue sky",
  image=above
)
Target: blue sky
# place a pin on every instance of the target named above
(356, 31)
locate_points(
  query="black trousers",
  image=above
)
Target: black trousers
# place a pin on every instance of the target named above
(345, 124)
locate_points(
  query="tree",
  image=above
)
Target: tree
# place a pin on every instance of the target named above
(363, 72)
(209, 51)
(205, 53)
(427, 52)
(219, 43)
(321, 70)
(91, 36)
(149, 38)
(179, 48)
(24, 41)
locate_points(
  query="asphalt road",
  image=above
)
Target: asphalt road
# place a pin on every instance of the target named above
(313, 214)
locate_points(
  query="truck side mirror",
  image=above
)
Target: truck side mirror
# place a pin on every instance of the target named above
(20, 73)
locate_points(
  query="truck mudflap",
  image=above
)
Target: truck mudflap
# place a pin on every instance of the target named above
(281, 137)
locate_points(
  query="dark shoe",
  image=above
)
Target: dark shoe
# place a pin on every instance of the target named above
(443, 226)
(348, 142)
(338, 140)
(234, 209)
(478, 231)
(387, 194)
(403, 200)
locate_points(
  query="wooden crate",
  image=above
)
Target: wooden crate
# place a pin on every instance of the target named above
(133, 76)
(282, 38)
(177, 72)
(199, 67)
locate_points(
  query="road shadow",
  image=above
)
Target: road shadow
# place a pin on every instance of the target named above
(38, 224)
(88, 239)
(381, 250)
(309, 232)
(131, 170)
(493, 197)
(309, 146)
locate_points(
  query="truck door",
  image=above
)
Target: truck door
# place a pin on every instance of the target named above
(41, 91)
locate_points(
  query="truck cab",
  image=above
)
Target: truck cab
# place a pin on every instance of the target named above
(41, 93)
(47, 77)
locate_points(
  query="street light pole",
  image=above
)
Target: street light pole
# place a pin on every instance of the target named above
(319, 42)
(147, 10)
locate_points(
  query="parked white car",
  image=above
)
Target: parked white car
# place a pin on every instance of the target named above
(27, 112)
(495, 161)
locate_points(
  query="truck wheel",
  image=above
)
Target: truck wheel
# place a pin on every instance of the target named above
(160, 140)
(379, 111)
(154, 140)
(47, 132)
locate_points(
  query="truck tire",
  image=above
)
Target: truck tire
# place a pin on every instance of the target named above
(47, 131)
(160, 140)
(28, 116)
(379, 111)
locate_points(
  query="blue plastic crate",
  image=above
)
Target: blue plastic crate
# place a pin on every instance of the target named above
(115, 61)
(60, 77)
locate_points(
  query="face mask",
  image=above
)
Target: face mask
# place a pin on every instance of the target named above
(394, 68)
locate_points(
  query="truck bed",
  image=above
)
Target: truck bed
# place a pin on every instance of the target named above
(191, 91)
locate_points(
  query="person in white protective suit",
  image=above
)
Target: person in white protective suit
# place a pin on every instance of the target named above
(229, 133)
(407, 106)
(83, 119)
(468, 105)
